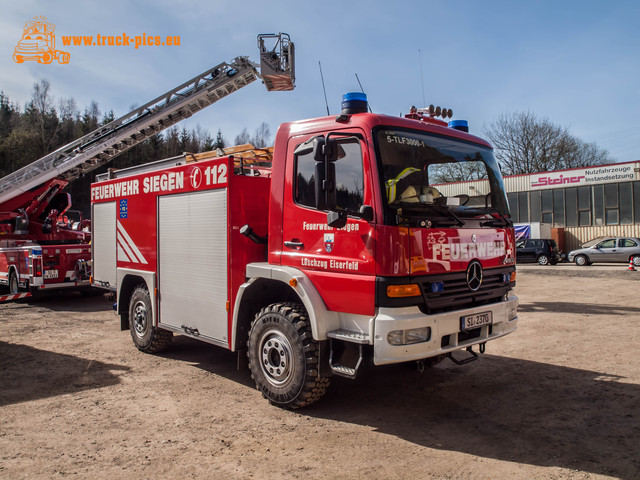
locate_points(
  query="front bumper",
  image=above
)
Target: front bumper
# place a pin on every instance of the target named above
(445, 330)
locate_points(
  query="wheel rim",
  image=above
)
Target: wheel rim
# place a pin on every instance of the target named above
(276, 357)
(140, 319)
(543, 260)
(581, 260)
(636, 261)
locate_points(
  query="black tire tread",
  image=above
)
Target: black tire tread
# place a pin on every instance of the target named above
(160, 338)
(314, 386)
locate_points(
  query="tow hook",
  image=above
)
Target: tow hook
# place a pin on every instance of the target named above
(474, 355)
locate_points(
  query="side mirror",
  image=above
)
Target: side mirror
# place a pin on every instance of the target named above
(366, 213)
(337, 219)
(325, 185)
(318, 149)
(321, 204)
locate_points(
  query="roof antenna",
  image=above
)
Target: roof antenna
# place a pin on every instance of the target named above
(424, 101)
(323, 88)
(362, 90)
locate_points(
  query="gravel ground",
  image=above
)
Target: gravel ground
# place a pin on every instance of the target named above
(558, 399)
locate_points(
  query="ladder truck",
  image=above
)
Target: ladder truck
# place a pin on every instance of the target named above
(347, 249)
(39, 247)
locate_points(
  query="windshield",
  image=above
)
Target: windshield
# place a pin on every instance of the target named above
(427, 180)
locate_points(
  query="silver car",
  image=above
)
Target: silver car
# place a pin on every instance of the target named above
(607, 249)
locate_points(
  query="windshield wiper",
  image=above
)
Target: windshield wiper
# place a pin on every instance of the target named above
(502, 221)
(443, 211)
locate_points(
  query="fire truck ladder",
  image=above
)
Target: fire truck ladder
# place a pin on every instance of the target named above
(105, 143)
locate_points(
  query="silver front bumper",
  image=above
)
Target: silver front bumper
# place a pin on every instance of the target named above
(505, 320)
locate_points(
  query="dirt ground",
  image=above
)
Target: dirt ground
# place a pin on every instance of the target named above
(558, 399)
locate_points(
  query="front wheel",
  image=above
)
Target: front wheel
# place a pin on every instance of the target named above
(581, 260)
(283, 357)
(145, 335)
(543, 260)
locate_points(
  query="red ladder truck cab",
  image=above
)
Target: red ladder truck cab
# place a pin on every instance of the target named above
(348, 250)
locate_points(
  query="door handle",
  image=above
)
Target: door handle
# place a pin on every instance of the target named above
(294, 244)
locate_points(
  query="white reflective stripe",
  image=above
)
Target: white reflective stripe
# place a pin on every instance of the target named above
(128, 252)
(126, 241)
(122, 256)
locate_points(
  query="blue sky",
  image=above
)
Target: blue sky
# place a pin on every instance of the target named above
(574, 62)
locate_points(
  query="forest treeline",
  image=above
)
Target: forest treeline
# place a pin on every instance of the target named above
(45, 124)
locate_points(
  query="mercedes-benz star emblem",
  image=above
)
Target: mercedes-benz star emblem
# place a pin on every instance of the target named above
(474, 275)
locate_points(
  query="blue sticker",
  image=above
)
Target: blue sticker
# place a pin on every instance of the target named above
(124, 209)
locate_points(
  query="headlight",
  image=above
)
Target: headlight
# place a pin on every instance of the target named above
(409, 337)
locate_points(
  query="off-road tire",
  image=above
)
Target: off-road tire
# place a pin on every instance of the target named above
(283, 357)
(146, 337)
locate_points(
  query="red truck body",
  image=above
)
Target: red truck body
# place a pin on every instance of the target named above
(311, 267)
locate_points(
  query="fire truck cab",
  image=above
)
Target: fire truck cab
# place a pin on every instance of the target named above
(354, 247)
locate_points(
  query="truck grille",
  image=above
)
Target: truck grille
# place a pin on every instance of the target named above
(450, 291)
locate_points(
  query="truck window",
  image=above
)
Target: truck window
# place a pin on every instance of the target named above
(349, 177)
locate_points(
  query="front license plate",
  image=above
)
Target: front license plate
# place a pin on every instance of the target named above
(476, 320)
(51, 274)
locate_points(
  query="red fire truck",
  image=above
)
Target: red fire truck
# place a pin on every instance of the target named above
(41, 245)
(344, 252)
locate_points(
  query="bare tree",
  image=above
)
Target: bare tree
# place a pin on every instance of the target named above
(41, 107)
(243, 137)
(262, 136)
(526, 144)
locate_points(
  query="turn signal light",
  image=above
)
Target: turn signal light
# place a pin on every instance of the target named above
(395, 291)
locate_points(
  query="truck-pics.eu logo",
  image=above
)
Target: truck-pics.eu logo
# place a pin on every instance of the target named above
(38, 43)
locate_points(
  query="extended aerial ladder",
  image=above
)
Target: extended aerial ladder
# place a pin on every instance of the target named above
(105, 143)
(36, 250)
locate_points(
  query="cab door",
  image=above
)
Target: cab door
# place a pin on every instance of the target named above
(339, 261)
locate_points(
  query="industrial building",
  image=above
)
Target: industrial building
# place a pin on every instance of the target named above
(579, 203)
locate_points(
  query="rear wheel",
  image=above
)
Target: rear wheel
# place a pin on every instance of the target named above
(543, 260)
(283, 357)
(581, 260)
(636, 260)
(14, 288)
(146, 337)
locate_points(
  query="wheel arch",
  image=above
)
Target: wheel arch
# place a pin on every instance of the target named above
(127, 283)
(269, 284)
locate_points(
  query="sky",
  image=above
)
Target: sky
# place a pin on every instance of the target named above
(576, 63)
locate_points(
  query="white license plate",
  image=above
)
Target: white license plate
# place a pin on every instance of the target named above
(476, 320)
(51, 274)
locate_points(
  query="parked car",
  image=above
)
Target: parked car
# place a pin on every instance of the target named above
(607, 249)
(542, 250)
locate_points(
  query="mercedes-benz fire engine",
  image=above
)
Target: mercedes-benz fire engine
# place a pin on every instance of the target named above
(346, 249)
(41, 246)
